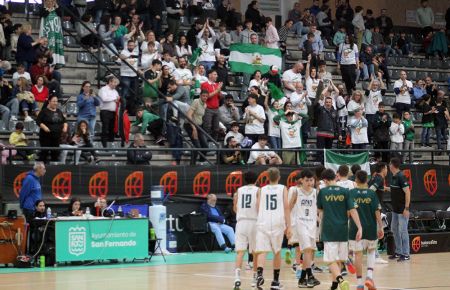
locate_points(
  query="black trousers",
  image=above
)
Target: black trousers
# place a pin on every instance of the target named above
(201, 142)
(323, 142)
(156, 128)
(385, 154)
(49, 140)
(108, 119)
(348, 72)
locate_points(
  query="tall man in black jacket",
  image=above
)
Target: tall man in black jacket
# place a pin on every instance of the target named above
(327, 126)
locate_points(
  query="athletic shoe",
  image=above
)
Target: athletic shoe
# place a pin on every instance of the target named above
(344, 270)
(227, 250)
(160, 140)
(394, 256)
(344, 285)
(249, 266)
(370, 284)
(237, 284)
(298, 273)
(294, 268)
(403, 258)
(350, 266)
(316, 269)
(287, 257)
(302, 283)
(28, 119)
(253, 284)
(13, 118)
(379, 260)
(276, 285)
(259, 282)
(312, 282)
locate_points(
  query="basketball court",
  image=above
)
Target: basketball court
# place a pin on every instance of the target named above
(212, 271)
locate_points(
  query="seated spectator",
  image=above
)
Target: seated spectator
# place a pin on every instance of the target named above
(325, 25)
(390, 45)
(40, 211)
(74, 208)
(105, 31)
(87, 33)
(236, 35)
(40, 91)
(367, 69)
(149, 56)
(254, 117)
(217, 223)
(149, 122)
(377, 40)
(150, 38)
(41, 68)
(101, 208)
(419, 91)
(18, 139)
(80, 139)
(87, 102)
(138, 157)
(7, 152)
(404, 45)
(9, 104)
(17, 30)
(258, 81)
(183, 49)
(26, 54)
(26, 99)
(263, 157)
(234, 132)
(233, 156)
(228, 112)
(438, 46)
(21, 73)
(168, 61)
(248, 32)
(339, 36)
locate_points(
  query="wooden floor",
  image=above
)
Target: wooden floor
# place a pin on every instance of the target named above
(426, 271)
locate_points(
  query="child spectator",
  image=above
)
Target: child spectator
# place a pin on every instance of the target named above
(409, 132)
(396, 130)
(21, 73)
(234, 132)
(427, 120)
(18, 139)
(150, 55)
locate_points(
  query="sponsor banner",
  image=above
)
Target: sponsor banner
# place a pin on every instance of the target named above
(429, 243)
(81, 240)
(428, 183)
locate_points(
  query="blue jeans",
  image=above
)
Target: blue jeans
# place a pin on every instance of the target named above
(219, 230)
(175, 141)
(127, 83)
(4, 111)
(425, 136)
(400, 230)
(440, 136)
(299, 29)
(275, 142)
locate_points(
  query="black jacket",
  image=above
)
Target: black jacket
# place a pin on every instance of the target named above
(138, 157)
(327, 121)
(381, 128)
(5, 94)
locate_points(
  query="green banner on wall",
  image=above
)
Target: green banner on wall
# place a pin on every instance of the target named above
(94, 239)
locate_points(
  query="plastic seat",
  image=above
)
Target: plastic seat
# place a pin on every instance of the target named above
(425, 63)
(67, 25)
(70, 41)
(30, 126)
(12, 125)
(389, 101)
(435, 76)
(412, 74)
(421, 75)
(415, 62)
(72, 109)
(330, 56)
(98, 127)
(86, 58)
(403, 61)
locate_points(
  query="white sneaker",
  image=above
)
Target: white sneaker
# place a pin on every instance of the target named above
(28, 119)
(249, 266)
(254, 281)
(379, 260)
(13, 118)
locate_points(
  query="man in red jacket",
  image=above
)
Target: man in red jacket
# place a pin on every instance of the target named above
(211, 117)
(42, 68)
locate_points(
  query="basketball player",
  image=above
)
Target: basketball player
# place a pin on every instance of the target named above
(334, 204)
(244, 205)
(369, 213)
(272, 222)
(293, 242)
(304, 204)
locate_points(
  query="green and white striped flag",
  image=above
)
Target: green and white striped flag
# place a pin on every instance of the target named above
(52, 29)
(334, 160)
(247, 58)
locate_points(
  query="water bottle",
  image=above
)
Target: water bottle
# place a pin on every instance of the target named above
(152, 234)
(42, 261)
(49, 213)
(171, 242)
(88, 212)
(119, 211)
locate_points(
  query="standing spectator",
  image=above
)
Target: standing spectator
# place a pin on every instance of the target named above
(128, 76)
(195, 114)
(324, 23)
(152, 81)
(183, 49)
(358, 129)
(291, 77)
(344, 15)
(192, 33)
(40, 91)
(221, 69)
(211, 117)
(341, 108)
(404, 45)
(150, 38)
(431, 89)
(174, 13)
(263, 157)
(400, 200)
(87, 103)
(271, 40)
(224, 39)
(183, 76)
(178, 96)
(273, 76)
(403, 90)
(52, 30)
(156, 16)
(312, 79)
(339, 37)
(248, 32)
(377, 40)
(151, 123)
(396, 130)
(428, 112)
(317, 44)
(441, 122)
(273, 127)
(109, 96)
(347, 58)
(425, 17)
(254, 14)
(26, 54)
(327, 127)
(138, 157)
(228, 113)
(315, 8)
(381, 137)
(236, 35)
(52, 123)
(300, 103)
(369, 19)
(291, 136)
(385, 22)
(217, 223)
(358, 24)
(374, 96)
(410, 133)
(31, 190)
(259, 82)
(168, 45)
(119, 32)
(148, 57)
(366, 61)
(205, 40)
(254, 117)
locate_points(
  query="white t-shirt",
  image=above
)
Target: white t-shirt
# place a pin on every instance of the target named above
(311, 87)
(170, 64)
(254, 154)
(147, 59)
(238, 136)
(358, 131)
(404, 98)
(340, 102)
(372, 101)
(182, 74)
(274, 128)
(253, 125)
(16, 76)
(291, 134)
(352, 106)
(109, 97)
(346, 184)
(132, 58)
(348, 54)
(300, 102)
(291, 78)
(144, 46)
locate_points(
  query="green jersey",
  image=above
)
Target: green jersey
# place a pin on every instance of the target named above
(368, 204)
(335, 203)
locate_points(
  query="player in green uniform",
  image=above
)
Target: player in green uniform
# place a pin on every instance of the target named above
(334, 204)
(370, 216)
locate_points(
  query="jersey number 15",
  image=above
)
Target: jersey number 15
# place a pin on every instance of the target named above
(271, 202)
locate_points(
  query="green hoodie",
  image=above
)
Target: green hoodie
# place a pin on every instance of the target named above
(409, 130)
(146, 119)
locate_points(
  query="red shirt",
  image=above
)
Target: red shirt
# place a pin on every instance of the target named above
(212, 102)
(37, 70)
(41, 96)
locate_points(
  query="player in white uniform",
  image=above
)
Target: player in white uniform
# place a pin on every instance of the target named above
(272, 222)
(244, 205)
(304, 204)
(293, 241)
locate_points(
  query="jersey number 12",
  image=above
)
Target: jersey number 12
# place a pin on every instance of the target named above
(246, 200)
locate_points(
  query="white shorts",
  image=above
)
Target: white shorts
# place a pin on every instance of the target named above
(335, 251)
(362, 245)
(294, 238)
(306, 242)
(268, 242)
(245, 235)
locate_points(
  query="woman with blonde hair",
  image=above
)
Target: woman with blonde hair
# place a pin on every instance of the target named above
(26, 99)
(357, 103)
(26, 53)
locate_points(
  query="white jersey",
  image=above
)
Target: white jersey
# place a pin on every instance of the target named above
(291, 192)
(246, 203)
(346, 184)
(306, 212)
(271, 210)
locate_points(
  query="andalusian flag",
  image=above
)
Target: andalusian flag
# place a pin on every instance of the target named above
(334, 160)
(247, 58)
(193, 60)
